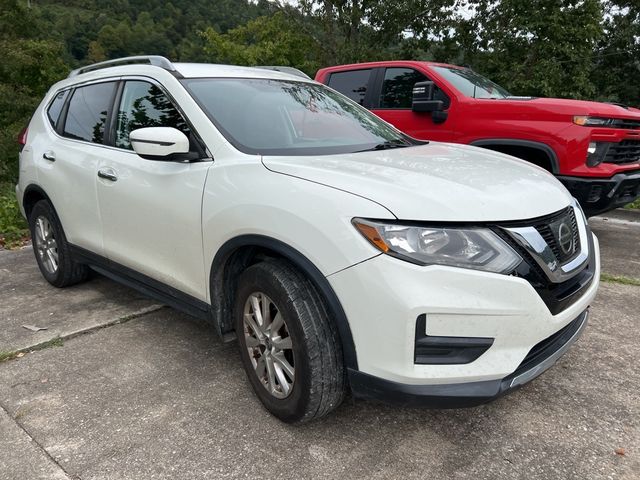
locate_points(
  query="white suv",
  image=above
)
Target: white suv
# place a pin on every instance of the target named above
(341, 253)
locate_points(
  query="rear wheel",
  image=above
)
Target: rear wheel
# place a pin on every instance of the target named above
(51, 248)
(290, 349)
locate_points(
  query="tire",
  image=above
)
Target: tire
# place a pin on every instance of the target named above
(51, 249)
(319, 376)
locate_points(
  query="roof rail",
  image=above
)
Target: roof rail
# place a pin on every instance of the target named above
(284, 69)
(156, 60)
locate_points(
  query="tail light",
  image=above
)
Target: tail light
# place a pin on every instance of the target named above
(22, 137)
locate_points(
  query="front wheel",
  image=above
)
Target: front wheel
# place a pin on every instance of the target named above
(290, 348)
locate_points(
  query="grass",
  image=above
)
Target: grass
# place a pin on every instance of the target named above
(605, 277)
(10, 355)
(635, 205)
(4, 356)
(13, 227)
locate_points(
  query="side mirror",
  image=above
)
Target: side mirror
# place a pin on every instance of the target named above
(423, 98)
(160, 143)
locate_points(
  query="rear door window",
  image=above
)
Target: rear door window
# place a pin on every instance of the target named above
(55, 108)
(353, 84)
(88, 110)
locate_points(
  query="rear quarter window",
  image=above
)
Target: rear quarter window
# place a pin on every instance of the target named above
(55, 107)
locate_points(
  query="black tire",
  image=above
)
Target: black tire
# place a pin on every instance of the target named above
(68, 271)
(320, 375)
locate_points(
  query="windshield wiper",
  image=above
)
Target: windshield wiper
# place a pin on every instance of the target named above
(386, 146)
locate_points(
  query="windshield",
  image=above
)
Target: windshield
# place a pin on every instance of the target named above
(472, 84)
(276, 117)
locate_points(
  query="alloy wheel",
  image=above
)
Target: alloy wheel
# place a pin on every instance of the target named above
(46, 244)
(269, 345)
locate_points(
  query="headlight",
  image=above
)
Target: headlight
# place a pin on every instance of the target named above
(476, 248)
(593, 121)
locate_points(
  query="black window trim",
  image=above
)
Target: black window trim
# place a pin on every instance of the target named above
(380, 82)
(110, 123)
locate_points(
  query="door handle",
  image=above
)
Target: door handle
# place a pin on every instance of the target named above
(49, 155)
(108, 174)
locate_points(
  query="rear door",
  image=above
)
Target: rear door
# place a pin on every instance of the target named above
(68, 157)
(392, 98)
(151, 210)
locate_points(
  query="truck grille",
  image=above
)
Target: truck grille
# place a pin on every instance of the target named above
(627, 151)
(628, 124)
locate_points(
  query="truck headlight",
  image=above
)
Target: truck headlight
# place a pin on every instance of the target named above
(585, 121)
(475, 248)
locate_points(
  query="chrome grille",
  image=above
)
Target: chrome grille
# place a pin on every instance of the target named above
(550, 231)
(557, 243)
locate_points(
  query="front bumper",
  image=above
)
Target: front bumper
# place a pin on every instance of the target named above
(384, 297)
(599, 195)
(542, 357)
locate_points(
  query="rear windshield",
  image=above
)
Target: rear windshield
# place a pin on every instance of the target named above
(276, 117)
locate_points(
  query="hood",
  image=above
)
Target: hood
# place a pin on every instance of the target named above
(436, 182)
(580, 107)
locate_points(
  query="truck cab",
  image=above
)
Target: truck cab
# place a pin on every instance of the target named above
(593, 148)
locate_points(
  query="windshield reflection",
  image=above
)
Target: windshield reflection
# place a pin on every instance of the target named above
(279, 117)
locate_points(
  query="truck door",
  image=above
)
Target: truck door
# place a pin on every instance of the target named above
(392, 93)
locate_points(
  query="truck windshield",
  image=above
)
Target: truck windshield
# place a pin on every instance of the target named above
(471, 84)
(280, 117)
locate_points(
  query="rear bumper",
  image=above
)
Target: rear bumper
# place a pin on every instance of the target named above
(20, 201)
(540, 358)
(599, 195)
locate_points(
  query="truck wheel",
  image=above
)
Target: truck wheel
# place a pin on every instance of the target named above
(290, 349)
(51, 248)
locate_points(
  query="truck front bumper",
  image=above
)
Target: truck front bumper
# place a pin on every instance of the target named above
(599, 195)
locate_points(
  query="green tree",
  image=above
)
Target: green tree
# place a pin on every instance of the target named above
(29, 66)
(538, 47)
(616, 65)
(273, 40)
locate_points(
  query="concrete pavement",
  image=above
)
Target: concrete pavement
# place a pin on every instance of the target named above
(27, 299)
(157, 396)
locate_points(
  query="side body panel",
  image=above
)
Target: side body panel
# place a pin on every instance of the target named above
(242, 197)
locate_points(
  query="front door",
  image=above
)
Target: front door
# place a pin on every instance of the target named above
(392, 103)
(151, 210)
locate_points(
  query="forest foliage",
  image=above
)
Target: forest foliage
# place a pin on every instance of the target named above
(566, 48)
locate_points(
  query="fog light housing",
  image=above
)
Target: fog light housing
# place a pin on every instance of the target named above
(596, 152)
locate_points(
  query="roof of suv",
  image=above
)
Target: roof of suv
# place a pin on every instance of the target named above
(182, 70)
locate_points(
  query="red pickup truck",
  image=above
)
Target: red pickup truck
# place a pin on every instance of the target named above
(593, 148)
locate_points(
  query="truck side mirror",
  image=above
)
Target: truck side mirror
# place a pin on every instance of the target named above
(423, 98)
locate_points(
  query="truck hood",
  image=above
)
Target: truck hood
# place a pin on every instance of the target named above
(580, 107)
(436, 182)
